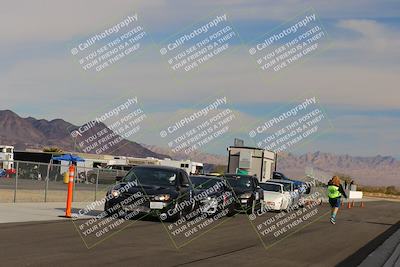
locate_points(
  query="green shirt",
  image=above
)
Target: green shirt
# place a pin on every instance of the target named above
(333, 191)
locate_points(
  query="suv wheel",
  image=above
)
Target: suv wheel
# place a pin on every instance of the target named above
(92, 179)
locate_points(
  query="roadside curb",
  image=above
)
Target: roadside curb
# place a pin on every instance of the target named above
(386, 255)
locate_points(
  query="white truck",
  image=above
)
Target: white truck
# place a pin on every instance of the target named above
(191, 167)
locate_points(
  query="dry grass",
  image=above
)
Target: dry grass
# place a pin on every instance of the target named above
(381, 195)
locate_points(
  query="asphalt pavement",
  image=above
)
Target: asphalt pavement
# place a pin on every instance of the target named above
(358, 232)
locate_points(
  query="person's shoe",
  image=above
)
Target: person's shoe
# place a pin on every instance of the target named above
(333, 221)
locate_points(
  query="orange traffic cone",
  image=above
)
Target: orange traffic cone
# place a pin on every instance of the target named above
(362, 204)
(348, 205)
(352, 204)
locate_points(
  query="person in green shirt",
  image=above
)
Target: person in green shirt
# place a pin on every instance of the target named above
(335, 192)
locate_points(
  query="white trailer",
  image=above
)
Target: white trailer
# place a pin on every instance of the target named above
(252, 161)
(6, 157)
(191, 167)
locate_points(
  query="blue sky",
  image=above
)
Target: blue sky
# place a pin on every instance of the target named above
(356, 78)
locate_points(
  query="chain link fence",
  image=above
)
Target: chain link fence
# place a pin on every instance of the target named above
(43, 182)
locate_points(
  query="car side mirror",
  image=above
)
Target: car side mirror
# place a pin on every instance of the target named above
(118, 178)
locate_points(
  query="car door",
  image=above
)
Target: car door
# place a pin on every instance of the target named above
(286, 197)
(114, 172)
(185, 189)
(295, 195)
(258, 192)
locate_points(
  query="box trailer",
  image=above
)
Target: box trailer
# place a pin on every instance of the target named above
(252, 161)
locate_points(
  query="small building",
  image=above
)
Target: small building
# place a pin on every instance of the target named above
(6, 157)
(252, 161)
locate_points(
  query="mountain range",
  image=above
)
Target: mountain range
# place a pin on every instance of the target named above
(29, 132)
(376, 170)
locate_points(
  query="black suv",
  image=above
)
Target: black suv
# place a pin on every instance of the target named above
(248, 192)
(157, 190)
(213, 195)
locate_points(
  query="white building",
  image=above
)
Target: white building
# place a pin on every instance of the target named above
(6, 157)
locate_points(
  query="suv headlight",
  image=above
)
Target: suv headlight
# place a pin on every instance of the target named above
(164, 197)
(245, 195)
(115, 193)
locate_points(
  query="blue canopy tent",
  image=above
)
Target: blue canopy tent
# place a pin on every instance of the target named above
(68, 157)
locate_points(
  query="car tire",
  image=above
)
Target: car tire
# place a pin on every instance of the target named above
(92, 179)
(231, 211)
(175, 217)
(108, 212)
(252, 209)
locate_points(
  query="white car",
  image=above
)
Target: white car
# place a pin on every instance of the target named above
(275, 198)
(289, 188)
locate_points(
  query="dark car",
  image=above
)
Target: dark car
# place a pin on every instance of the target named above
(247, 191)
(157, 190)
(213, 195)
(303, 187)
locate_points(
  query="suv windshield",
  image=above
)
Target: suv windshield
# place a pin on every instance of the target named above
(241, 182)
(200, 182)
(148, 176)
(287, 187)
(111, 167)
(271, 187)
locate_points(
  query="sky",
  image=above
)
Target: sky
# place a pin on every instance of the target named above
(354, 75)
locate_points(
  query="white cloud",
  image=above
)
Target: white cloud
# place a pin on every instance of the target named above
(44, 21)
(374, 39)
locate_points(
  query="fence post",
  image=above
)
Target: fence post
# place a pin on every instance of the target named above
(47, 182)
(97, 184)
(75, 181)
(16, 182)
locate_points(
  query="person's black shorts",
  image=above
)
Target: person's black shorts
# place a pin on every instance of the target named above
(335, 202)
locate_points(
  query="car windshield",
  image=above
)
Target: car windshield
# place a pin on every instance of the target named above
(148, 176)
(110, 167)
(271, 187)
(240, 182)
(287, 187)
(200, 182)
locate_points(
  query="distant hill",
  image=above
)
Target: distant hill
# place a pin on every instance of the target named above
(29, 132)
(377, 170)
(33, 133)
